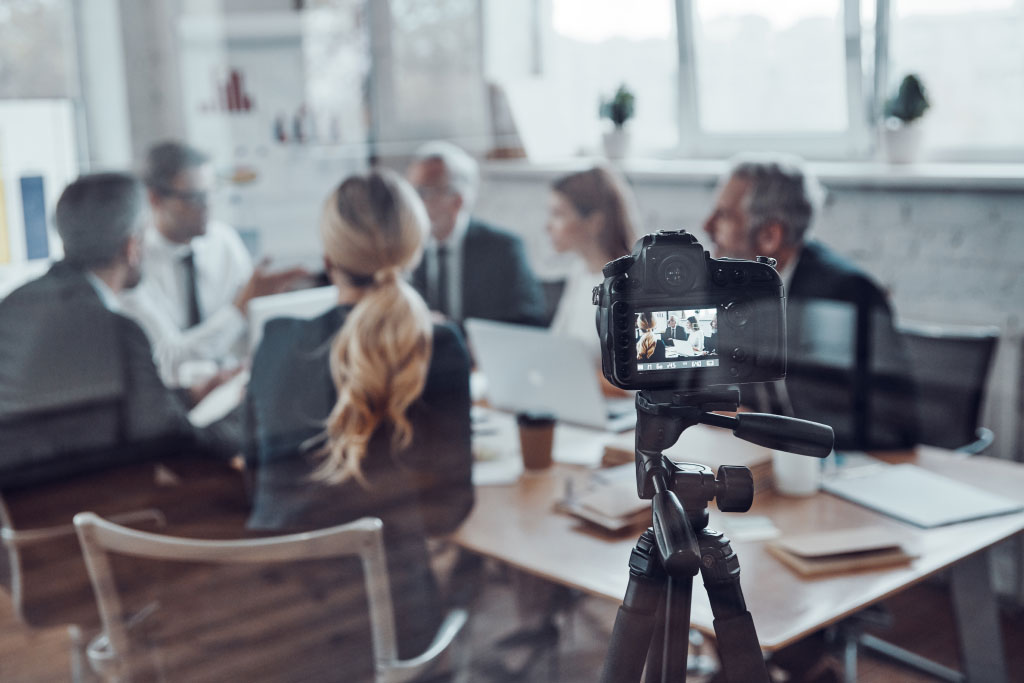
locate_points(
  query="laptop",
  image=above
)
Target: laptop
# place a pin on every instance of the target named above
(529, 369)
(302, 303)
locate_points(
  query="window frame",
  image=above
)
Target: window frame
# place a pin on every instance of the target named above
(855, 142)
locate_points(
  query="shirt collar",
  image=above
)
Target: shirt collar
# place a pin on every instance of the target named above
(454, 241)
(161, 246)
(787, 273)
(104, 292)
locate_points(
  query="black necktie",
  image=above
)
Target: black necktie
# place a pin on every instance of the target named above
(442, 279)
(191, 295)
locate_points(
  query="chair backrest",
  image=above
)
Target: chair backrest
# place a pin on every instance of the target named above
(101, 540)
(950, 368)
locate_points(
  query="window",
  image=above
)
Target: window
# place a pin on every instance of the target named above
(785, 62)
(970, 57)
(714, 77)
(581, 52)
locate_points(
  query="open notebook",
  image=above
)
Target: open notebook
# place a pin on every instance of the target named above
(915, 495)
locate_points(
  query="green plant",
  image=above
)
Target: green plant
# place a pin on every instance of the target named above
(910, 101)
(620, 107)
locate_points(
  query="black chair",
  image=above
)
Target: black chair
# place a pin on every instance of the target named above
(950, 366)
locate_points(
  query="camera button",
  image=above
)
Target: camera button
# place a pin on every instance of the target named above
(739, 354)
(720, 277)
(739, 275)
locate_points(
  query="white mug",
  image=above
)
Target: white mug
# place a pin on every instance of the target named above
(795, 475)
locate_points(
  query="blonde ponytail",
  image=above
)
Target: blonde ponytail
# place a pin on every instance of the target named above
(373, 226)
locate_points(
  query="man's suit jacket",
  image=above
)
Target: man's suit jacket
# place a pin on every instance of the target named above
(78, 387)
(497, 281)
(847, 365)
(669, 334)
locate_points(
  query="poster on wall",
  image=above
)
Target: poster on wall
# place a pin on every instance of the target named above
(37, 160)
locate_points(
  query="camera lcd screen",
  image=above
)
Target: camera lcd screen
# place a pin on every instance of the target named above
(676, 340)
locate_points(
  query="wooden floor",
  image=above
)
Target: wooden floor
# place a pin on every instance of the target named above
(924, 624)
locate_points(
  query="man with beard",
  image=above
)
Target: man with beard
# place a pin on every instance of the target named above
(78, 387)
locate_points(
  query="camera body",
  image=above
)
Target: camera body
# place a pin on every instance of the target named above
(729, 317)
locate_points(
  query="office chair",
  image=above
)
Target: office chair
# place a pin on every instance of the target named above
(256, 628)
(950, 367)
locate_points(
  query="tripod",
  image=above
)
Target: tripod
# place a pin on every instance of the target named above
(653, 622)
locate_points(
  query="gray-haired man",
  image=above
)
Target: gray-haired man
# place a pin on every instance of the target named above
(470, 269)
(78, 387)
(847, 365)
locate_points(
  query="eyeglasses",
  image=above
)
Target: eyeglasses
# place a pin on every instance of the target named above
(428, 193)
(193, 197)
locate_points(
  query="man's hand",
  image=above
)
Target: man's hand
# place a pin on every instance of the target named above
(263, 283)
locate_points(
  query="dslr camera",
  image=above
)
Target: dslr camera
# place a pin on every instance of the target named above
(671, 317)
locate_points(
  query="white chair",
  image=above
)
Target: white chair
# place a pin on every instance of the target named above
(109, 653)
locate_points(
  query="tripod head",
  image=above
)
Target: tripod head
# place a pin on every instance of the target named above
(680, 492)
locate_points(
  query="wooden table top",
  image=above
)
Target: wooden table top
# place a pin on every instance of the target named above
(517, 525)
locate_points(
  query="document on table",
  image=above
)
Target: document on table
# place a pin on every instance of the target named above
(915, 495)
(219, 402)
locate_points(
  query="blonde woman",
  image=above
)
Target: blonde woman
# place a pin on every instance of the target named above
(649, 348)
(364, 411)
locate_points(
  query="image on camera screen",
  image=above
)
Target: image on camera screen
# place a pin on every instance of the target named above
(677, 340)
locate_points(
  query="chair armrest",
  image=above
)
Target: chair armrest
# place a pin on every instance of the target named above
(979, 445)
(408, 669)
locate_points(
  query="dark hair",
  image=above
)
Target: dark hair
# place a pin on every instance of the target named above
(166, 160)
(599, 189)
(95, 216)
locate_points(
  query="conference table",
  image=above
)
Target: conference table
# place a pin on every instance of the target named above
(515, 522)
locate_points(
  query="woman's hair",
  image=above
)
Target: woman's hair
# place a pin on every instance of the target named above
(602, 190)
(648, 342)
(373, 227)
(693, 322)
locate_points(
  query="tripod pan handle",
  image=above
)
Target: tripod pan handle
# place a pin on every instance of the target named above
(677, 545)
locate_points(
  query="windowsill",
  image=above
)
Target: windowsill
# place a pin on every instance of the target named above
(847, 174)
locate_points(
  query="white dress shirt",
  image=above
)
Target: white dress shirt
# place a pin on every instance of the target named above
(104, 292)
(454, 258)
(576, 312)
(160, 302)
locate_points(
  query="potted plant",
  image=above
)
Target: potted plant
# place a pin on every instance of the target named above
(619, 109)
(902, 131)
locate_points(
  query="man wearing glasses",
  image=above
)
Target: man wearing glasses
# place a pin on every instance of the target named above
(198, 277)
(469, 269)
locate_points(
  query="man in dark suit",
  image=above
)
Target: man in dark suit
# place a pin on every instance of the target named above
(672, 331)
(78, 387)
(469, 269)
(847, 366)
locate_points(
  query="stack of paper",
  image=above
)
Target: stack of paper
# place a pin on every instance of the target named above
(839, 550)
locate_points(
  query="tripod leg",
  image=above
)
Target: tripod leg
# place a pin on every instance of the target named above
(634, 623)
(676, 643)
(739, 650)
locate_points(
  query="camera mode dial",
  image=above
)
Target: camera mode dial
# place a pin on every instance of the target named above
(618, 266)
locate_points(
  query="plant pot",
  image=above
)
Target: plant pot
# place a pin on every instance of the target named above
(616, 143)
(902, 141)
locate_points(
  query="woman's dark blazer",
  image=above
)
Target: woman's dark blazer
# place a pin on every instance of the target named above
(425, 489)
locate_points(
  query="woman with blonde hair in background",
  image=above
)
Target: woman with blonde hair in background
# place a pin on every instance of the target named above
(364, 411)
(649, 348)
